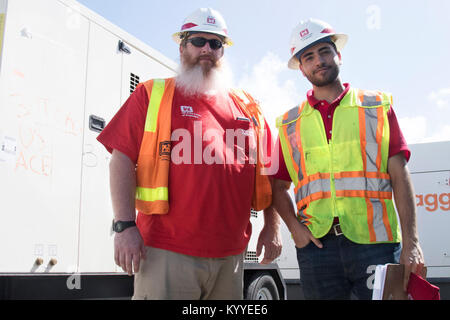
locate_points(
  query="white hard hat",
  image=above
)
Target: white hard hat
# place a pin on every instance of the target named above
(204, 20)
(310, 32)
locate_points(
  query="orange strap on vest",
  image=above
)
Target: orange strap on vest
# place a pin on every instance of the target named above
(152, 172)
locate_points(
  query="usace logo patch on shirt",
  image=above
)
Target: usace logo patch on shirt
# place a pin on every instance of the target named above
(188, 111)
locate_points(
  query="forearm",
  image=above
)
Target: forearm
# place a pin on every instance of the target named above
(407, 211)
(404, 198)
(412, 255)
(271, 218)
(282, 203)
(123, 186)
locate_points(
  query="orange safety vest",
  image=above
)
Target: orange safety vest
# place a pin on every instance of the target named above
(152, 171)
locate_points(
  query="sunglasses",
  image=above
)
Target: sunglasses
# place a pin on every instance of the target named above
(199, 42)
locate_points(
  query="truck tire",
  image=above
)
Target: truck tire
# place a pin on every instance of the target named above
(261, 287)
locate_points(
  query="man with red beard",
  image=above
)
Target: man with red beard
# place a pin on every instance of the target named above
(345, 153)
(184, 156)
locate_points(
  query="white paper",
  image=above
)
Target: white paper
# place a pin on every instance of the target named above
(378, 285)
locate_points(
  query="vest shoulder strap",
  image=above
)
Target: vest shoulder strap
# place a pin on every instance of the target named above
(373, 98)
(149, 84)
(156, 90)
(250, 106)
(292, 115)
(262, 194)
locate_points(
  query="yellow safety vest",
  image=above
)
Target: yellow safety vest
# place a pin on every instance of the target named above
(345, 177)
(152, 170)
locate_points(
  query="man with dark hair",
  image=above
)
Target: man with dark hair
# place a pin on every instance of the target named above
(345, 153)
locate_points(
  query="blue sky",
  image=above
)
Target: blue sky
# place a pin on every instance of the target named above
(397, 46)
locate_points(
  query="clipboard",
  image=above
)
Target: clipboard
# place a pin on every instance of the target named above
(388, 285)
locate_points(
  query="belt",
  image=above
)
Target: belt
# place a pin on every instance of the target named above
(336, 228)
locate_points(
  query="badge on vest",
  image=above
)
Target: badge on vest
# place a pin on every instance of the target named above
(164, 150)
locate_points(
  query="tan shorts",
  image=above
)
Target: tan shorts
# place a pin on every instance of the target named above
(169, 275)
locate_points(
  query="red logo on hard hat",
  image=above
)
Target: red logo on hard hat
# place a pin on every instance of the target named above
(211, 20)
(304, 33)
(188, 26)
(327, 30)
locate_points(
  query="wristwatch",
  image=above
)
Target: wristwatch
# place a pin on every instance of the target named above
(119, 226)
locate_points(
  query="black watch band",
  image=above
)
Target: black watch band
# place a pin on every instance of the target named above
(119, 226)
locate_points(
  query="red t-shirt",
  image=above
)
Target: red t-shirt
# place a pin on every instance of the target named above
(397, 142)
(209, 197)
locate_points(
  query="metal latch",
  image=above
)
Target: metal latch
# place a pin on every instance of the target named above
(96, 124)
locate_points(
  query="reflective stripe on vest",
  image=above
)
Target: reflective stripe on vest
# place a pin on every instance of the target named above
(152, 194)
(313, 188)
(288, 125)
(154, 105)
(332, 178)
(377, 191)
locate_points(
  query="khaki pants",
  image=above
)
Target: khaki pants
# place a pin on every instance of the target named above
(168, 275)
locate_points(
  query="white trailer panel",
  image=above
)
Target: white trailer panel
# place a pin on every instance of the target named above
(42, 124)
(430, 172)
(103, 98)
(61, 65)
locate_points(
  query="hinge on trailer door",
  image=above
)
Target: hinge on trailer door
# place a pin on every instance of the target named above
(123, 47)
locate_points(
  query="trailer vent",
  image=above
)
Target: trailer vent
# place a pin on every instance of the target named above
(251, 257)
(134, 81)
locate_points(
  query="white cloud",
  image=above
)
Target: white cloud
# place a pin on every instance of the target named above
(442, 134)
(441, 98)
(431, 129)
(417, 130)
(413, 129)
(264, 83)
